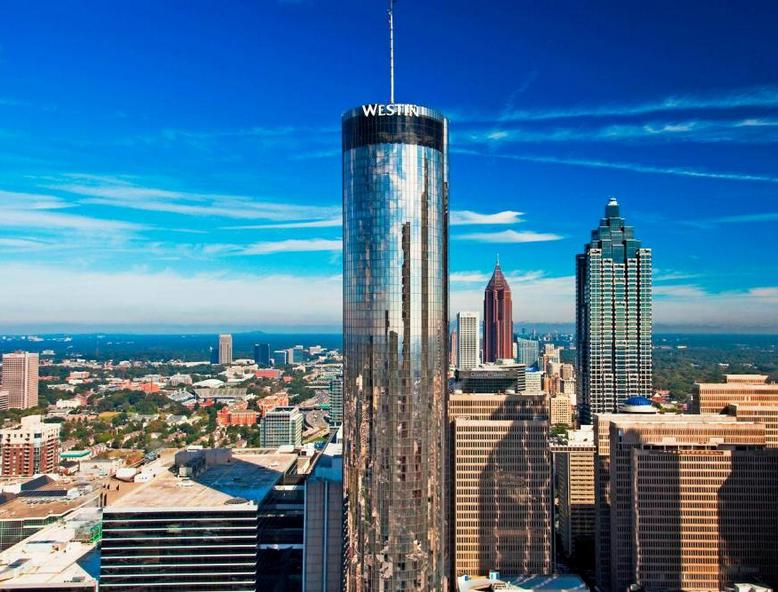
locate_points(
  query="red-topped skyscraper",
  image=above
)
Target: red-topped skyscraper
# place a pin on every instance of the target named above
(498, 318)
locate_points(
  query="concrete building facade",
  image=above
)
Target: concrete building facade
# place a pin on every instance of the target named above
(468, 340)
(501, 472)
(20, 379)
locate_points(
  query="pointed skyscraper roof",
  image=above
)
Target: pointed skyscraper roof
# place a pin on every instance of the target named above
(498, 281)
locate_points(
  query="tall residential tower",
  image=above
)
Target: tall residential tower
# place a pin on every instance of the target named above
(468, 336)
(395, 332)
(613, 317)
(498, 318)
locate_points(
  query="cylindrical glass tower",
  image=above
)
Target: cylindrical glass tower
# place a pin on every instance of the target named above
(395, 331)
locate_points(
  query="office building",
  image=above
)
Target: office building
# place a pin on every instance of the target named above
(574, 476)
(613, 317)
(468, 336)
(533, 381)
(527, 352)
(280, 357)
(262, 354)
(684, 502)
(395, 332)
(749, 389)
(501, 470)
(30, 449)
(225, 349)
(492, 378)
(336, 400)
(195, 525)
(20, 379)
(453, 348)
(282, 426)
(550, 354)
(498, 318)
(323, 547)
(560, 410)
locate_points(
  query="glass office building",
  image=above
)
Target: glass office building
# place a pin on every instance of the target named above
(613, 317)
(395, 330)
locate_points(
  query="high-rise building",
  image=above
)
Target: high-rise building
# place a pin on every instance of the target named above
(323, 547)
(527, 352)
(225, 349)
(336, 400)
(501, 470)
(574, 472)
(751, 389)
(613, 317)
(282, 426)
(280, 357)
(684, 502)
(560, 410)
(20, 379)
(29, 449)
(262, 354)
(468, 336)
(395, 333)
(498, 318)
(453, 348)
(746, 397)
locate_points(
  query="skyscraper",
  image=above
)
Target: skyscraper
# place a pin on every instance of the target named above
(468, 333)
(502, 493)
(498, 318)
(527, 352)
(262, 354)
(20, 379)
(395, 333)
(225, 349)
(613, 317)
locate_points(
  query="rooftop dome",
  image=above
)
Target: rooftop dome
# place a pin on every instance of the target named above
(636, 400)
(637, 404)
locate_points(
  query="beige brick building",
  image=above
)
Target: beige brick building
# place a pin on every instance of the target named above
(574, 474)
(501, 470)
(20, 379)
(560, 410)
(684, 502)
(737, 388)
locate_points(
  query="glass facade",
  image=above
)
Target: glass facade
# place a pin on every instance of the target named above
(187, 550)
(395, 326)
(613, 317)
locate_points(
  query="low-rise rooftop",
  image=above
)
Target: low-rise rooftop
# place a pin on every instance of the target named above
(240, 476)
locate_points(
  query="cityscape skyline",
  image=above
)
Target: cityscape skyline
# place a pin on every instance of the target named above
(130, 188)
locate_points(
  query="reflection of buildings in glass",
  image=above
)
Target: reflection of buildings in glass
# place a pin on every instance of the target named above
(395, 326)
(501, 472)
(613, 317)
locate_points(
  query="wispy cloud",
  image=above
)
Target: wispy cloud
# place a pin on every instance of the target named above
(45, 217)
(510, 236)
(755, 97)
(468, 217)
(736, 219)
(326, 223)
(626, 166)
(751, 131)
(118, 193)
(292, 246)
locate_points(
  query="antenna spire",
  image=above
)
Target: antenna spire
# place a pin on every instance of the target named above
(391, 50)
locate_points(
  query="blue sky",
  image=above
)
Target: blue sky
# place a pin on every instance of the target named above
(177, 163)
